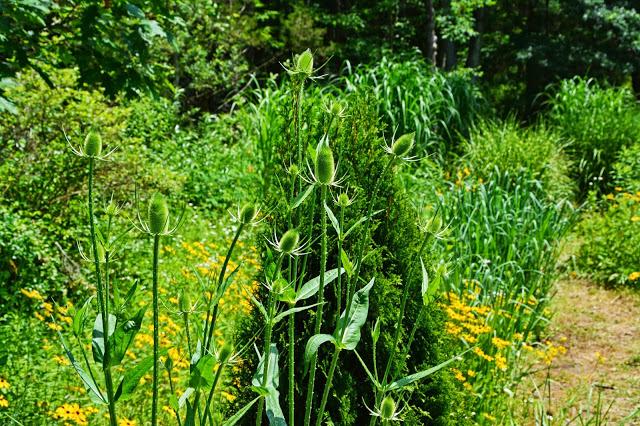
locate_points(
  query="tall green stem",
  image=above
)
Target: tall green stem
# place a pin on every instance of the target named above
(267, 338)
(104, 314)
(403, 305)
(154, 402)
(211, 392)
(327, 386)
(318, 325)
(292, 380)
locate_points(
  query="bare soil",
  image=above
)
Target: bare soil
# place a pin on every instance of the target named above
(601, 330)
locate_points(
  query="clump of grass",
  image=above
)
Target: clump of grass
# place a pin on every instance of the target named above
(597, 122)
(508, 149)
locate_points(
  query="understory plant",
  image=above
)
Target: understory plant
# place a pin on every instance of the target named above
(335, 253)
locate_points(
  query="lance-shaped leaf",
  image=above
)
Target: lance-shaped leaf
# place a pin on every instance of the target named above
(132, 377)
(274, 412)
(349, 325)
(358, 223)
(348, 266)
(290, 311)
(311, 287)
(124, 334)
(301, 197)
(312, 347)
(425, 282)
(333, 219)
(407, 380)
(95, 393)
(97, 343)
(231, 421)
(80, 318)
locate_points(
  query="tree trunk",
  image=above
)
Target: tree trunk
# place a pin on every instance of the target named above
(430, 50)
(475, 44)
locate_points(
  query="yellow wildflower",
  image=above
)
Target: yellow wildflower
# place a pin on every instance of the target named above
(4, 384)
(500, 343)
(501, 362)
(634, 276)
(126, 422)
(31, 294)
(3, 402)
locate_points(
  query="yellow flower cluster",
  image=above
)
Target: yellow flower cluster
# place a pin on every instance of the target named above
(634, 276)
(73, 413)
(4, 403)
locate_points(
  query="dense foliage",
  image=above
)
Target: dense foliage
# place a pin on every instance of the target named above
(399, 197)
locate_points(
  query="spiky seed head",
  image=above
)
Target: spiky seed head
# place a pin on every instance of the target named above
(387, 408)
(102, 254)
(289, 241)
(93, 144)
(304, 63)
(343, 200)
(247, 213)
(225, 353)
(325, 166)
(158, 214)
(185, 303)
(294, 170)
(403, 144)
(435, 225)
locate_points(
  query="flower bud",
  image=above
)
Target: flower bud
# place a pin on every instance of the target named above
(247, 213)
(304, 63)
(158, 214)
(387, 408)
(343, 200)
(403, 144)
(325, 166)
(185, 303)
(93, 144)
(294, 170)
(289, 241)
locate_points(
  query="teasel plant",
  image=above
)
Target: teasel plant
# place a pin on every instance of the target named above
(156, 225)
(114, 327)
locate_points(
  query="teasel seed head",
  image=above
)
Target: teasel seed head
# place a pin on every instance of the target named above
(304, 63)
(248, 213)
(388, 408)
(289, 241)
(158, 214)
(325, 165)
(92, 144)
(185, 302)
(403, 144)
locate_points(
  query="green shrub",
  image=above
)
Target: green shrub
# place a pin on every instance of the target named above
(626, 169)
(597, 123)
(610, 250)
(29, 259)
(412, 96)
(357, 145)
(506, 148)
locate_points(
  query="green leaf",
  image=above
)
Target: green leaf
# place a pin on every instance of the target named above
(333, 219)
(92, 388)
(359, 222)
(312, 347)
(348, 266)
(124, 334)
(260, 306)
(301, 197)
(350, 324)
(80, 318)
(274, 412)
(97, 343)
(130, 294)
(407, 380)
(202, 372)
(237, 416)
(185, 397)
(290, 311)
(132, 377)
(273, 374)
(425, 280)
(311, 287)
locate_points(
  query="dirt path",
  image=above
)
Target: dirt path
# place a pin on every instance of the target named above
(601, 329)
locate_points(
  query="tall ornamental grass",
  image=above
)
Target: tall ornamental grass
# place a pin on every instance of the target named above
(597, 122)
(413, 97)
